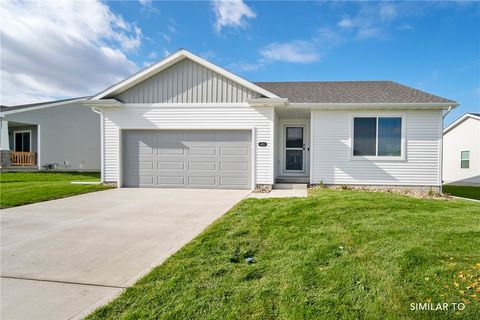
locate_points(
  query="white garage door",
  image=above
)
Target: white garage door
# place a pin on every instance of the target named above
(187, 158)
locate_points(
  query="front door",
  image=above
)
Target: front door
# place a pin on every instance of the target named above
(294, 161)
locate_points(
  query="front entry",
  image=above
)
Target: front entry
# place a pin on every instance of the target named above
(295, 147)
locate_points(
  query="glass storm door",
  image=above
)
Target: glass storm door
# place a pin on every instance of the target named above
(294, 149)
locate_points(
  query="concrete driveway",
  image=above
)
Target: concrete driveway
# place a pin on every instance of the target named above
(63, 258)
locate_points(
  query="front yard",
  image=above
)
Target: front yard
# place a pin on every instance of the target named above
(20, 188)
(338, 254)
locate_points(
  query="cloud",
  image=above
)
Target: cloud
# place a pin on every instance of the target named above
(52, 50)
(371, 20)
(231, 13)
(147, 6)
(346, 23)
(152, 55)
(297, 51)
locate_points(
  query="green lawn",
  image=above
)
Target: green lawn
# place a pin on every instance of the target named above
(20, 188)
(338, 254)
(462, 191)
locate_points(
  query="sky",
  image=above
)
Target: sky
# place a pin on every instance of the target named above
(61, 49)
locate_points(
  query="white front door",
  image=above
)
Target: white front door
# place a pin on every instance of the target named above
(295, 149)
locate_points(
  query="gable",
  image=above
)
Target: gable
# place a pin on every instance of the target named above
(187, 82)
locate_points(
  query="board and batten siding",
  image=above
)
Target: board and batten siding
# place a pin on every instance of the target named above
(190, 117)
(187, 82)
(331, 150)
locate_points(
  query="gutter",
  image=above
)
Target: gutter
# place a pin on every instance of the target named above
(450, 108)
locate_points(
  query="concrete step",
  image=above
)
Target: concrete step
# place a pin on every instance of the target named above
(292, 179)
(290, 186)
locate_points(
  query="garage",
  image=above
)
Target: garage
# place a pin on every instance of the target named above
(220, 159)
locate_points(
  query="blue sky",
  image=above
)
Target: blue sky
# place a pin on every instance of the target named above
(432, 46)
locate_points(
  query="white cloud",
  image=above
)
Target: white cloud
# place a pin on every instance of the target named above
(372, 20)
(345, 23)
(61, 49)
(166, 37)
(231, 13)
(152, 55)
(145, 2)
(297, 51)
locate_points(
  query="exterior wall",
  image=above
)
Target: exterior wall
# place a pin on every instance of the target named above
(187, 82)
(192, 116)
(33, 129)
(463, 137)
(276, 147)
(331, 151)
(69, 133)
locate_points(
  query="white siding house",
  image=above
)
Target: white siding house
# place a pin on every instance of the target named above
(185, 122)
(461, 151)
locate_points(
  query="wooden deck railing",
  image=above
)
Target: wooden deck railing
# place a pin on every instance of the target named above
(23, 158)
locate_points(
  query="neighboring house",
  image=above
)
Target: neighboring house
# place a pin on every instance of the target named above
(185, 122)
(65, 134)
(461, 151)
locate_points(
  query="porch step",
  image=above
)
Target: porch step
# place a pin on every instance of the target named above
(290, 186)
(292, 179)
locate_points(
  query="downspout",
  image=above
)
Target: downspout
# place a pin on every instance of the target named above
(102, 169)
(441, 149)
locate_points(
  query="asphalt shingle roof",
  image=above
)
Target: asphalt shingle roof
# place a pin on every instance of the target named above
(350, 92)
(30, 105)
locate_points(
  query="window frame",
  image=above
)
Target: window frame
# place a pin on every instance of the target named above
(15, 138)
(462, 159)
(376, 157)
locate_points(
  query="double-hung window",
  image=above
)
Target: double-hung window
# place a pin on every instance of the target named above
(465, 159)
(377, 136)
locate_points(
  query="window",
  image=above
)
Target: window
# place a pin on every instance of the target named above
(22, 141)
(465, 159)
(377, 136)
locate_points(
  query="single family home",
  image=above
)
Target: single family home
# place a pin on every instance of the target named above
(60, 135)
(186, 122)
(461, 151)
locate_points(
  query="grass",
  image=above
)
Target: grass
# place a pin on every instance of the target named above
(462, 191)
(20, 188)
(338, 254)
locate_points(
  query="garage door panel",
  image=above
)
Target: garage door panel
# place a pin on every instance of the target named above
(233, 166)
(202, 181)
(234, 151)
(171, 180)
(170, 165)
(233, 181)
(202, 151)
(202, 166)
(183, 158)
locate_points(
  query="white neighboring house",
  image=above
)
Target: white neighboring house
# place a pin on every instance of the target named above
(185, 122)
(461, 151)
(62, 133)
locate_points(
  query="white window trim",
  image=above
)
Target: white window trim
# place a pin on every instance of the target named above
(403, 148)
(462, 159)
(14, 139)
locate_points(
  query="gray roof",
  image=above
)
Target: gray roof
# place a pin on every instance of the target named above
(350, 92)
(475, 114)
(31, 105)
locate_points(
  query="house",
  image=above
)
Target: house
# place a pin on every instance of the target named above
(185, 122)
(461, 151)
(63, 135)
